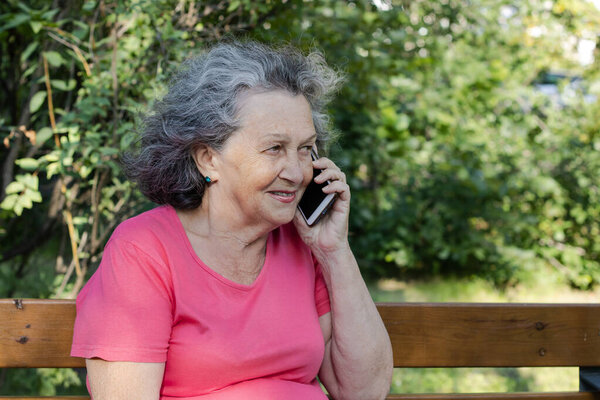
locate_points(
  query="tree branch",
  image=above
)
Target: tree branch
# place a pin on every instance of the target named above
(9, 162)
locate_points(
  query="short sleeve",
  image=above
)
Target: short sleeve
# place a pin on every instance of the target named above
(125, 311)
(321, 293)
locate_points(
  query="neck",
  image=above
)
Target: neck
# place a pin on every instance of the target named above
(224, 228)
(234, 251)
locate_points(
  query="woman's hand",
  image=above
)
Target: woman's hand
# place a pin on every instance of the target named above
(358, 361)
(330, 234)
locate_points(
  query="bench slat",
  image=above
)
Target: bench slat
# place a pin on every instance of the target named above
(423, 334)
(493, 335)
(37, 333)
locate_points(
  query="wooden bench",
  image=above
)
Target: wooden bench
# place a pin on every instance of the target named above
(37, 333)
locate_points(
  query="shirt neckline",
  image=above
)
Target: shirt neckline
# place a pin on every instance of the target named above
(240, 286)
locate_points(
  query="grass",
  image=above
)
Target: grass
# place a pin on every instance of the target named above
(542, 287)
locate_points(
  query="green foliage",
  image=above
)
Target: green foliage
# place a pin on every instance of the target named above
(458, 164)
(463, 380)
(42, 381)
(481, 380)
(23, 191)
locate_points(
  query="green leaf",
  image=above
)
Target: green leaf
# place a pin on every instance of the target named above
(22, 194)
(54, 58)
(36, 197)
(49, 15)
(109, 151)
(29, 164)
(545, 185)
(85, 171)
(62, 85)
(25, 55)
(80, 220)
(53, 156)
(25, 200)
(30, 181)
(233, 6)
(23, 7)
(52, 169)
(9, 202)
(36, 101)
(15, 187)
(29, 70)
(36, 26)
(18, 208)
(43, 135)
(89, 5)
(15, 21)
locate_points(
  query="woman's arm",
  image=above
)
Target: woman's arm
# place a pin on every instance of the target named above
(117, 380)
(358, 361)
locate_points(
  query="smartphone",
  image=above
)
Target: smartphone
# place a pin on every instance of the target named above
(314, 203)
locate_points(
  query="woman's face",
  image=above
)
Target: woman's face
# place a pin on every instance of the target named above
(265, 165)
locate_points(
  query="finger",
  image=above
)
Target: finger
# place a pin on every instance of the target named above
(329, 171)
(331, 175)
(339, 187)
(324, 163)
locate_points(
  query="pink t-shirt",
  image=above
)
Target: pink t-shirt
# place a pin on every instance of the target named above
(153, 300)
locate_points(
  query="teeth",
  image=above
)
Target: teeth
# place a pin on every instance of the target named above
(283, 194)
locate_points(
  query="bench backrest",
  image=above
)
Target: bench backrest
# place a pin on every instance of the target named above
(493, 335)
(37, 333)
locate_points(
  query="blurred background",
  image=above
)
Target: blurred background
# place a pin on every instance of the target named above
(469, 133)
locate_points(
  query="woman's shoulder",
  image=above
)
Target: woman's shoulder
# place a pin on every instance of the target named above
(152, 226)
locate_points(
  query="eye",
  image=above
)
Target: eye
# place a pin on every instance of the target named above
(306, 149)
(274, 149)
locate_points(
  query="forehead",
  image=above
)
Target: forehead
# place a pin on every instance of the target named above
(275, 112)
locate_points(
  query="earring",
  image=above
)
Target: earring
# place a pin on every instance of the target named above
(207, 179)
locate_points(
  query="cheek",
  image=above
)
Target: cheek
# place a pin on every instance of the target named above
(308, 175)
(252, 170)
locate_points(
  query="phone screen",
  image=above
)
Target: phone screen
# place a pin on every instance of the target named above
(313, 195)
(314, 203)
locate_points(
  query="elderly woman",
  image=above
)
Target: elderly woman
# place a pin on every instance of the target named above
(223, 291)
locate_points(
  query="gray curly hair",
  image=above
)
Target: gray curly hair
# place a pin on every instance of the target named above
(201, 108)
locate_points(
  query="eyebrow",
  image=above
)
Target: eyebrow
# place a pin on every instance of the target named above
(284, 136)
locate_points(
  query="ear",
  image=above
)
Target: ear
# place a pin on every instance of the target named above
(206, 159)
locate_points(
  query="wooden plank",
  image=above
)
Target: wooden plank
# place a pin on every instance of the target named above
(499, 396)
(37, 333)
(493, 335)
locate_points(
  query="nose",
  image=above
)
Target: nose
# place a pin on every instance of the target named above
(295, 169)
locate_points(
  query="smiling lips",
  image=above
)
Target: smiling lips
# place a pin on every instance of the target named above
(283, 196)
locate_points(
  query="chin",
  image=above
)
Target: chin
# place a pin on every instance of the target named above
(282, 219)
